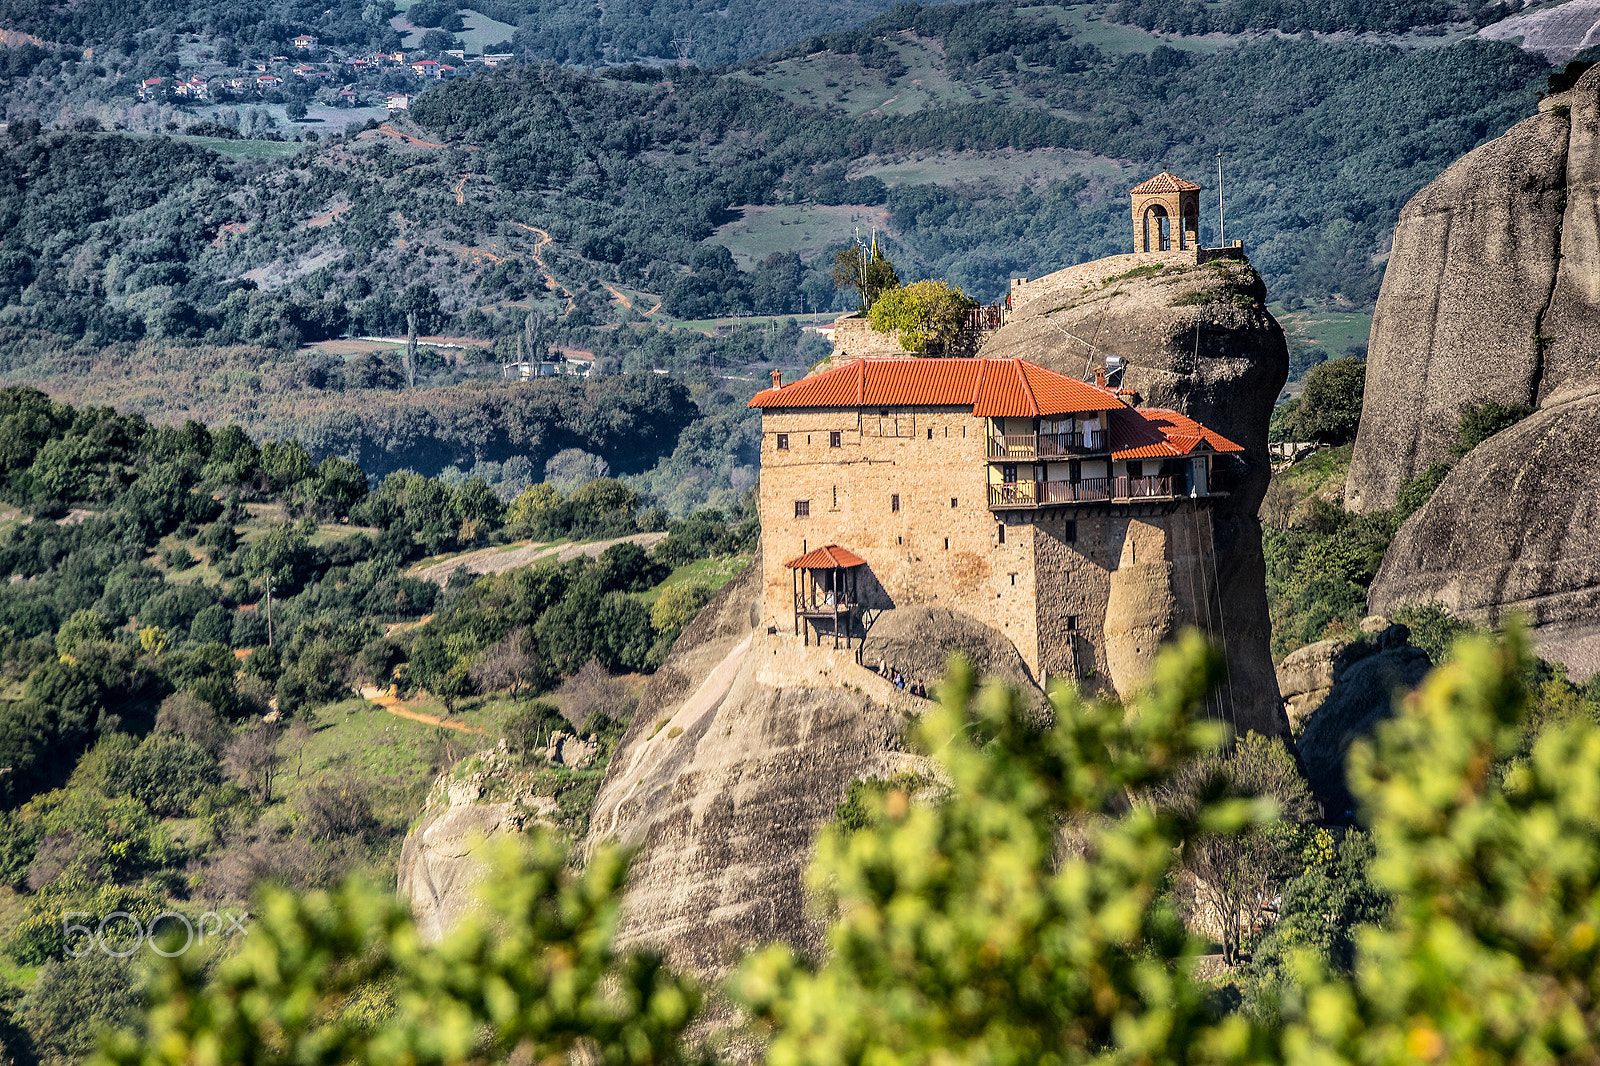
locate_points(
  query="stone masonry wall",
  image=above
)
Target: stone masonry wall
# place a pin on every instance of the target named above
(854, 337)
(942, 548)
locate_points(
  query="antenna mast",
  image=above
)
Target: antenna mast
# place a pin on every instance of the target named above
(1222, 226)
(683, 44)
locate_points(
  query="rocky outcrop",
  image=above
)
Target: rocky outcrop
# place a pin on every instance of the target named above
(1513, 530)
(1362, 696)
(442, 859)
(1307, 676)
(1492, 292)
(918, 641)
(1558, 32)
(742, 746)
(1196, 338)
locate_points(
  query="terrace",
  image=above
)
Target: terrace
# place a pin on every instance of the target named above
(1024, 494)
(1046, 445)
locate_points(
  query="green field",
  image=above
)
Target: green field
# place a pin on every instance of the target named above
(1011, 169)
(1316, 334)
(246, 149)
(805, 229)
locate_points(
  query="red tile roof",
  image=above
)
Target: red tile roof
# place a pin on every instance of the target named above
(826, 558)
(1164, 182)
(1158, 433)
(997, 388)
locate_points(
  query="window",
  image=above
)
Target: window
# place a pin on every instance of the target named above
(930, 432)
(947, 544)
(1072, 533)
(1135, 468)
(836, 497)
(833, 439)
(1000, 535)
(952, 502)
(894, 504)
(783, 442)
(802, 508)
(1013, 579)
(1072, 623)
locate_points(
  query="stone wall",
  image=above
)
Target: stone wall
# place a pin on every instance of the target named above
(854, 337)
(941, 548)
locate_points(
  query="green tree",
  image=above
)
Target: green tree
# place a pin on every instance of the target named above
(1330, 406)
(84, 626)
(72, 1000)
(928, 315)
(963, 932)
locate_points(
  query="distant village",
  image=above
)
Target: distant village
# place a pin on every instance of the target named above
(366, 79)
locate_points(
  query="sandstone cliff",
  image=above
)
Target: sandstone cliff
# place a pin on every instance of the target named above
(1197, 339)
(1492, 293)
(742, 746)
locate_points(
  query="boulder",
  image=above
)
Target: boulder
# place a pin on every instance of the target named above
(1513, 531)
(1196, 338)
(1362, 696)
(1307, 676)
(570, 751)
(1492, 292)
(442, 858)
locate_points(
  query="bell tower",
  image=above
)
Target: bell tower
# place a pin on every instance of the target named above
(1166, 214)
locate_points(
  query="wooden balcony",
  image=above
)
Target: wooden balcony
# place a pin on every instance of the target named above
(1027, 494)
(1047, 445)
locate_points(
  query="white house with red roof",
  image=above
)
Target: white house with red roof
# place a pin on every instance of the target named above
(305, 41)
(1059, 512)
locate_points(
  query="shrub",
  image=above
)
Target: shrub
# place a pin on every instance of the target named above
(927, 314)
(1484, 420)
(1417, 491)
(1330, 405)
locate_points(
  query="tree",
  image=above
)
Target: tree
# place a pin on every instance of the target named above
(928, 315)
(84, 626)
(512, 664)
(1227, 877)
(1330, 406)
(452, 686)
(72, 999)
(961, 931)
(866, 270)
(252, 759)
(677, 607)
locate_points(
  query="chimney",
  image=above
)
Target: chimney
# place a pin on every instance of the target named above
(1100, 376)
(777, 379)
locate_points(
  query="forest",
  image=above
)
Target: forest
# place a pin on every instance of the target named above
(171, 584)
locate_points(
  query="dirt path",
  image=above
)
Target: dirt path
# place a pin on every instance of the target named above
(550, 281)
(389, 702)
(461, 188)
(406, 138)
(618, 293)
(499, 560)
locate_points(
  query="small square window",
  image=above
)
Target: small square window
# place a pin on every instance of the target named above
(834, 439)
(894, 504)
(952, 502)
(802, 508)
(783, 442)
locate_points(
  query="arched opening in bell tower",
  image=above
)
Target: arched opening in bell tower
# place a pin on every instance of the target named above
(1157, 229)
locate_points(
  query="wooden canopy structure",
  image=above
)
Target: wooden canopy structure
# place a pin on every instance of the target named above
(826, 586)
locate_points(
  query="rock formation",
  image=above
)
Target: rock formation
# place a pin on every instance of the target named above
(442, 861)
(1196, 338)
(1513, 530)
(740, 750)
(1493, 292)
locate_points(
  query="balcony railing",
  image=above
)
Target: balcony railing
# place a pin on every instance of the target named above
(1089, 490)
(1038, 445)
